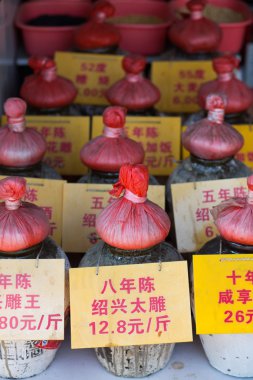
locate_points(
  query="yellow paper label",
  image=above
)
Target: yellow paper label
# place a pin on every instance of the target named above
(179, 82)
(48, 194)
(159, 136)
(79, 217)
(32, 299)
(92, 74)
(130, 305)
(65, 136)
(223, 291)
(192, 203)
(246, 153)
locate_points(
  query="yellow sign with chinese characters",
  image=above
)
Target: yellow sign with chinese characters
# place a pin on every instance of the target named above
(246, 153)
(144, 307)
(159, 136)
(65, 136)
(192, 203)
(179, 82)
(47, 194)
(82, 204)
(92, 74)
(32, 299)
(223, 291)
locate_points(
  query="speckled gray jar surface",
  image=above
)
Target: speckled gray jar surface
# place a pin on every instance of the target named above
(132, 361)
(231, 354)
(107, 178)
(41, 170)
(21, 359)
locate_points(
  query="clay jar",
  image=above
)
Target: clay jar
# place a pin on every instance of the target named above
(24, 232)
(133, 243)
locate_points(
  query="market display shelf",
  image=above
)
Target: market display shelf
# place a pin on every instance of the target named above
(187, 363)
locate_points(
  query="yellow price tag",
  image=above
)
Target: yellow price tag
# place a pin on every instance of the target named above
(65, 136)
(192, 203)
(92, 74)
(223, 291)
(79, 218)
(144, 307)
(32, 299)
(179, 82)
(159, 136)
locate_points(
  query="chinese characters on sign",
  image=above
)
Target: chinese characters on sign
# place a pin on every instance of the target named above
(159, 136)
(192, 203)
(179, 82)
(92, 74)
(81, 217)
(226, 306)
(29, 307)
(120, 310)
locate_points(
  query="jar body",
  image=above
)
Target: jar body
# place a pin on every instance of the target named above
(22, 359)
(231, 354)
(132, 361)
(107, 178)
(40, 170)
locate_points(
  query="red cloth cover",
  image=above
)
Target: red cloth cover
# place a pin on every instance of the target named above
(22, 224)
(97, 33)
(134, 91)
(108, 152)
(132, 222)
(195, 34)
(234, 217)
(239, 96)
(45, 89)
(20, 146)
(211, 138)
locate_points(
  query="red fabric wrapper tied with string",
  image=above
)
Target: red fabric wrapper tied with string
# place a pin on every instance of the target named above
(108, 152)
(196, 33)
(234, 217)
(22, 224)
(20, 146)
(135, 92)
(211, 138)
(97, 33)
(239, 95)
(45, 89)
(132, 222)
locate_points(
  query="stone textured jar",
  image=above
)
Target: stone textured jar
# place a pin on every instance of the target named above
(133, 244)
(212, 144)
(231, 354)
(105, 154)
(21, 359)
(47, 93)
(22, 149)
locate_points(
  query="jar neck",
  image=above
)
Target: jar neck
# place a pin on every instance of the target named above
(106, 175)
(201, 161)
(236, 247)
(18, 169)
(131, 252)
(29, 253)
